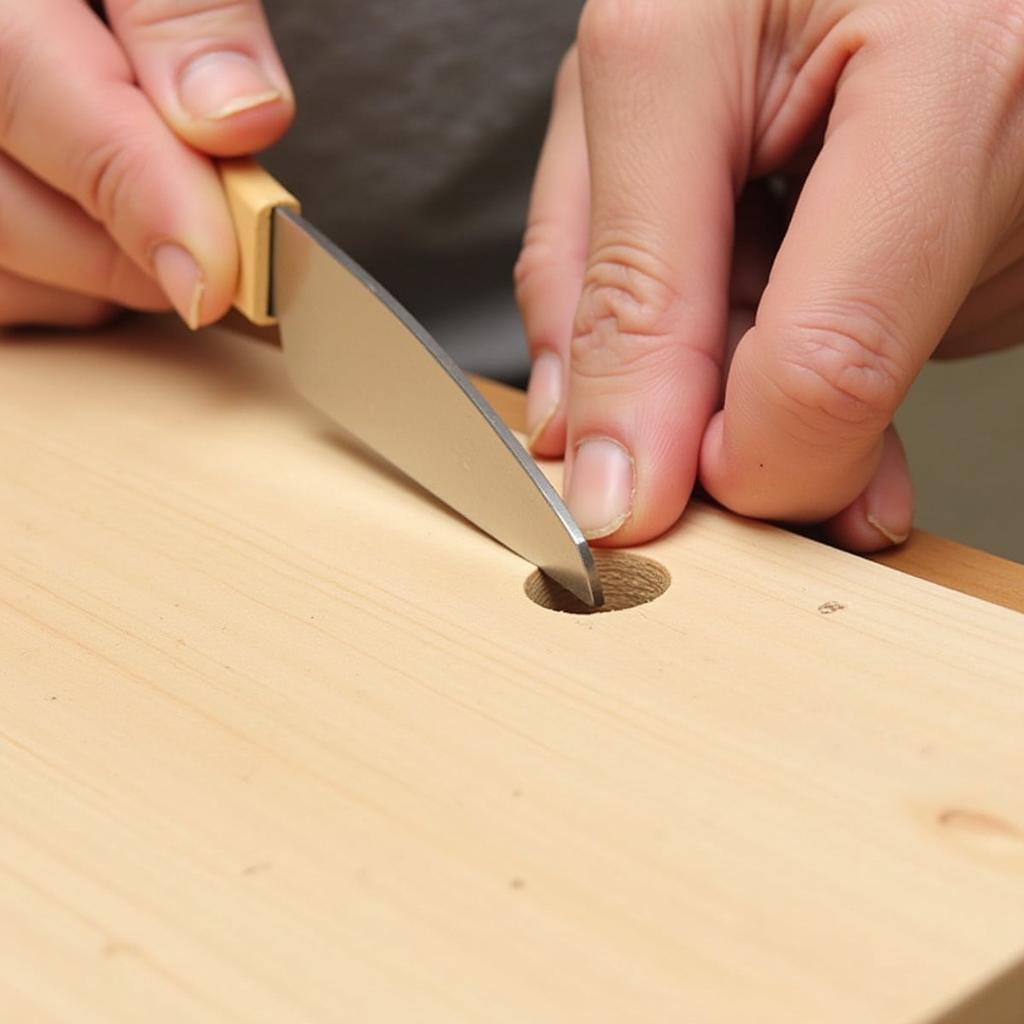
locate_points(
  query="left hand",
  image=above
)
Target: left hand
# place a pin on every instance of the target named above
(108, 193)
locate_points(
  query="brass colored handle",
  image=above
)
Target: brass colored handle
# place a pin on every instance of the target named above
(252, 195)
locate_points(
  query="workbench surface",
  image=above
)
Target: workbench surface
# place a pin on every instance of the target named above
(284, 740)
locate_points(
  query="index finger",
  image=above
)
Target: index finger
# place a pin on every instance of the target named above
(649, 332)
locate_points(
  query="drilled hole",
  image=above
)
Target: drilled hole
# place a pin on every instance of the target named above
(628, 580)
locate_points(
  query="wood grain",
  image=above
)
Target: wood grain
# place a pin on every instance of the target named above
(281, 739)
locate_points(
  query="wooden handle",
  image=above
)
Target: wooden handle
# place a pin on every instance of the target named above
(253, 195)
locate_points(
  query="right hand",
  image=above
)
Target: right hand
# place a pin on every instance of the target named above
(893, 230)
(108, 197)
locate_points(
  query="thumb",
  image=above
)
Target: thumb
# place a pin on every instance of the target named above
(210, 68)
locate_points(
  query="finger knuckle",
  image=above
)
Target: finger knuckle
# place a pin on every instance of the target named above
(843, 369)
(545, 252)
(108, 171)
(627, 314)
(619, 29)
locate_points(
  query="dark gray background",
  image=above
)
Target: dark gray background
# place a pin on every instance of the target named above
(418, 131)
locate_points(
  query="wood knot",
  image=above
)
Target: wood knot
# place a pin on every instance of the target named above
(984, 831)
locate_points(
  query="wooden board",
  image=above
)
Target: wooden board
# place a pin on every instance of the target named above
(281, 739)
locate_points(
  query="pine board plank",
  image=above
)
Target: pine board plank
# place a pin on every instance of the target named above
(281, 739)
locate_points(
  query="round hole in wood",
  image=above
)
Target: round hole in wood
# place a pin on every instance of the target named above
(627, 580)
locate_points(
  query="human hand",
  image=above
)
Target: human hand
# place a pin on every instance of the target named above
(107, 195)
(898, 130)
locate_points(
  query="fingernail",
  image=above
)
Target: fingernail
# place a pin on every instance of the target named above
(181, 280)
(601, 487)
(217, 85)
(543, 394)
(894, 535)
(889, 510)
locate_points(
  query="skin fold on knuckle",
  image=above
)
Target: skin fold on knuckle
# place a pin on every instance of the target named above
(627, 316)
(172, 19)
(107, 171)
(839, 376)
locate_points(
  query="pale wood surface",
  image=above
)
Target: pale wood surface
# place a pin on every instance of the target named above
(283, 740)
